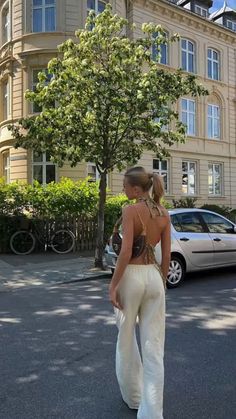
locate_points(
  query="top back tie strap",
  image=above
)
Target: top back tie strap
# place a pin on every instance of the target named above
(153, 207)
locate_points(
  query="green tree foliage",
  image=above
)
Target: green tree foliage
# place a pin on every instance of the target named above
(55, 200)
(111, 102)
(187, 202)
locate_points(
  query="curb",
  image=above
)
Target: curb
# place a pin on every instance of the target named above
(85, 278)
(4, 286)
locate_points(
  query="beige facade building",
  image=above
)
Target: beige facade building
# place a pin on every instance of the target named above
(205, 166)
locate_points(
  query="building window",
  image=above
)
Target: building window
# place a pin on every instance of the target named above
(163, 58)
(201, 11)
(37, 108)
(188, 55)
(215, 179)
(44, 171)
(6, 100)
(213, 64)
(162, 168)
(231, 25)
(92, 172)
(44, 16)
(6, 23)
(6, 167)
(97, 5)
(213, 121)
(188, 115)
(189, 178)
(158, 119)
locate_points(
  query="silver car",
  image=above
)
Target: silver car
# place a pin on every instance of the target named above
(200, 240)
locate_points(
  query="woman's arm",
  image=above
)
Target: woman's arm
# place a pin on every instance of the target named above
(125, 253)
(165, 248)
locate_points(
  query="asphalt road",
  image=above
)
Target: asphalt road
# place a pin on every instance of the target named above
(57, 351)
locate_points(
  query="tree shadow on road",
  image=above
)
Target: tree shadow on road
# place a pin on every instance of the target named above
(200, 347)
(58, 352)
(58, 360)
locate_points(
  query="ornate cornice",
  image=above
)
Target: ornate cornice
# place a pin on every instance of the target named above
(183, 16)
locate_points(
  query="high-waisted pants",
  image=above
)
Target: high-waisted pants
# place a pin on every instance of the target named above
(142, 296)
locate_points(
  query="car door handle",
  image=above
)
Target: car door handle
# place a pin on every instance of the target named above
(184, 239)
(217, 239)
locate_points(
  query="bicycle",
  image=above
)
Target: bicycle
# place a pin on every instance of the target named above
(23, 241)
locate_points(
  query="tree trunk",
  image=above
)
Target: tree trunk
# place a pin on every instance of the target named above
(100, 232)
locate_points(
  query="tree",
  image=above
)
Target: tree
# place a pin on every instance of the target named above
(106, 102)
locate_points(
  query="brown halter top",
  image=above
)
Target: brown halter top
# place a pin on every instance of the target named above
(148, 249)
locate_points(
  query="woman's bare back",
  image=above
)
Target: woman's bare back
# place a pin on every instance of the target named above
(155, 226)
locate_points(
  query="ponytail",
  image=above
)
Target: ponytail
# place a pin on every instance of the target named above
(157, 188)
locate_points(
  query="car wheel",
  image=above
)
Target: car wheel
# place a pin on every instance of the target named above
(176, 272)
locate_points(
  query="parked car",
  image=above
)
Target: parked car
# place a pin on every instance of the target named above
(200, 240)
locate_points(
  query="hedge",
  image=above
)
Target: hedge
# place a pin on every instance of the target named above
(65, 200)
(55, 200)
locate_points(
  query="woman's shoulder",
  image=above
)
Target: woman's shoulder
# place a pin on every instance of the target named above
(164, 211)
(129, 208)
(132, 211)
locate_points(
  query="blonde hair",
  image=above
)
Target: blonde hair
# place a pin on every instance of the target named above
(138, 176)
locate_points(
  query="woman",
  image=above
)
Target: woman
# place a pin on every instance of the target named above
(137, 290)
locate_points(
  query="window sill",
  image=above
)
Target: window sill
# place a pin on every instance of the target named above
(191, 196)
(213, 139)
(217, 196)
(189, 72)
(193, 136)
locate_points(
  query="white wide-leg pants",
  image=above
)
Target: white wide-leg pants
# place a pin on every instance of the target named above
(141, 383)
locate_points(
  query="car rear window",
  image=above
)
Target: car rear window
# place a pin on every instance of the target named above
(187, 222)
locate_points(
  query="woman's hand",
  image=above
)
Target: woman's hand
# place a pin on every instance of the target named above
(114, 296)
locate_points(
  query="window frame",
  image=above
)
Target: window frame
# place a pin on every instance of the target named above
(163, 172)
(201, 10)
(212, 61)
(166, 46)
(188, 193)
(188, 52)
(96, 6)
(6, 22)
(34, 84)
(6, 166)
(6, 99)
(97, 174)
(43, 7)
(188, 113)
(44, 163)
(232, 23)
(211, 121)
(214, 173)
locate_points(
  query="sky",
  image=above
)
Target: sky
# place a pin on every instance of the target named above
(217, 4)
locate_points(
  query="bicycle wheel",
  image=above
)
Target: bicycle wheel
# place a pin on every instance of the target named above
(22, 242)
(63, 241)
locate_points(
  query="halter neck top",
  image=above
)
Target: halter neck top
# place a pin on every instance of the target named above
(148, 250)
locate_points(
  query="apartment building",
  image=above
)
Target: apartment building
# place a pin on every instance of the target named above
(205, 166)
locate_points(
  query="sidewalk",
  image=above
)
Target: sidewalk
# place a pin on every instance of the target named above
(47, 269)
